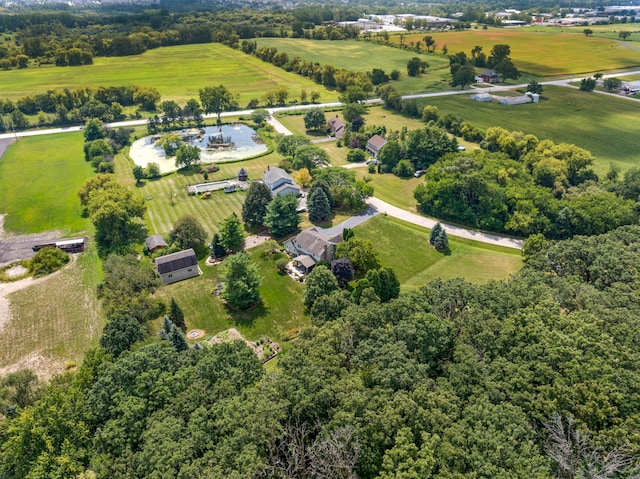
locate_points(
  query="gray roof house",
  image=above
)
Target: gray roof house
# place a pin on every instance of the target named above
(313, 243)
(375, 144)
(280, 182)
(155, 242)
(337, 126)
(177, 266)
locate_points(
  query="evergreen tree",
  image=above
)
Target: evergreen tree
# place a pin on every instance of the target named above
(241, 281)
(177, 316)
(217, 249)
(325, 187)
(231, 234)
(254, 208)
(282, 217)
(441, 242)
(347, 234)
(435, 231)
(319, 207)
(170, 332)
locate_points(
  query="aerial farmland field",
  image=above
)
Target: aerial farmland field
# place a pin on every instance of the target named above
(603, 124)
(177, 72)
(540, 54)
(363, 56)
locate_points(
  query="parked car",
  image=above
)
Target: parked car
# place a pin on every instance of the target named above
(371, 160)
(301, 209)
(419, 173)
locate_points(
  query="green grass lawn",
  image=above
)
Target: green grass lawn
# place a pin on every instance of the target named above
(55, 320)
(605, 125)
(541, 54)
(280, 310)
(392, 189)
(363, 56)
(177, 72)
(417, 265)
(39, 180)
(163, 208)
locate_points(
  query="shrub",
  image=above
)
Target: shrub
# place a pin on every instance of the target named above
(281, 265)
(48, 260)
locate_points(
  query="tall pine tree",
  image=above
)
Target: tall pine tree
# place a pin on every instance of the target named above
(177, 316)
(319, 206)
(435, 231)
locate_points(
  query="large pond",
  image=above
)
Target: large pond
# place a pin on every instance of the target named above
(213, 142)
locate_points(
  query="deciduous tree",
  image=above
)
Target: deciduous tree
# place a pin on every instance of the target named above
(216, 99)
(320, 282)
(188, 233)
(281, 217)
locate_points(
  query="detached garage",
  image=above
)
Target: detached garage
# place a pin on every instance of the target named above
(177, 266)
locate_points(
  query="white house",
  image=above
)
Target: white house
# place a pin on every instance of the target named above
(177, 266)
(280, 182)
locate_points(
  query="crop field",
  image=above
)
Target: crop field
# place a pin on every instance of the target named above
(55, 320)
(605, 125)
(417, 265)
(542, 54)
(177, 72)
(281, 308)
(39, 180)
(364, 56)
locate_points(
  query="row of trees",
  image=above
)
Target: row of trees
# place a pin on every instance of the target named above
(534, 377)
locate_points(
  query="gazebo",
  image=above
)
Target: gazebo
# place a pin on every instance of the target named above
(242, 175)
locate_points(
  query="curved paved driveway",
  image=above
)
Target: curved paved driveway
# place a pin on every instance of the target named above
(384, 207)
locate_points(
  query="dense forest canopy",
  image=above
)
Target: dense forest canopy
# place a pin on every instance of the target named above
(533, 377)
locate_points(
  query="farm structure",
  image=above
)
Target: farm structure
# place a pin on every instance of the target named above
(177, 266)
(375, 144)
(507, 100)
(75, 245)
(488, 77)
(155, 242)
(280, 182)
(312, 243)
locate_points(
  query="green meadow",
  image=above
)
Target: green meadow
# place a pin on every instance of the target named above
(40, 177)
(605, 125)
(363, 57)
(177, 72)
(541, 54)
(415, 266)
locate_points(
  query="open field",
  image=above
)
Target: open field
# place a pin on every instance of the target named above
(393, 189)
(54, 320)
(541, 54)
(363, 56)
(177, 72)
(605, 125)
(39, 180)
(281, 308)
(415, 266)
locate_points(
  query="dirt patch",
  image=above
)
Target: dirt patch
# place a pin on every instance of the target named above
(43, 366)
(16, 271)
(264, 348)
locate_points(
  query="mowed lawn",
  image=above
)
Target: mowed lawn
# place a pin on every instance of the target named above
(167, 199)
(55, 320)
(362, 56)
(39, 180)
(541, 54)
(280, 310)
(177, 72)
(405, 247)
(605, 125)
